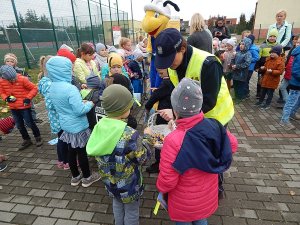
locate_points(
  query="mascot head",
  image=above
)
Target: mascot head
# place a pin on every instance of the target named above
(158, 14)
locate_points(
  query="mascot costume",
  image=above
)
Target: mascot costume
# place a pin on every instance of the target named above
(158, 14)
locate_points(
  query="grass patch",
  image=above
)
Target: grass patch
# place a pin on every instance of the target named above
(34, 78)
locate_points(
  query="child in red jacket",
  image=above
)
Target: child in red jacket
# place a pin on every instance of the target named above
(192, 156)
(18, 92)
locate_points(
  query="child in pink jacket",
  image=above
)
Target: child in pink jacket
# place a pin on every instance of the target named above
(192, 157)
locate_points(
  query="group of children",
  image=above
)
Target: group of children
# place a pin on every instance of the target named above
(89, 99)
(269, 61)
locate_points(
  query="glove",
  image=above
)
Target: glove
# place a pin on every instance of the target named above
(26, 101)
(11, 99)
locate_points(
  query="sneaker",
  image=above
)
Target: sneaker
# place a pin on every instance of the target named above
(25, 144)
(86, 182)
(258, 104)
(154, 168)
(60, 164)
(295, 117)
(2, 166)
(287, 126)
(76, 180)
(265, 106)
(66, 166)
(39, 141)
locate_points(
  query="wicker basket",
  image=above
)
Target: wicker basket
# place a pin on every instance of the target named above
(159, 132)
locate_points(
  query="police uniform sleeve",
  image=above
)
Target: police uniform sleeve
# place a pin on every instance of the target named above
(211, 75)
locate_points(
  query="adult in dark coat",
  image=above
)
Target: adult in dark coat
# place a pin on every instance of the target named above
(221, 31)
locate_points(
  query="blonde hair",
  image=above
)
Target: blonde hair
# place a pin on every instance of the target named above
(42, 64)
(246, 32)
(123, 41)
(197, 23)
(282, 11)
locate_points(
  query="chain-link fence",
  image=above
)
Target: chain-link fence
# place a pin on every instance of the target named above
(31, 28)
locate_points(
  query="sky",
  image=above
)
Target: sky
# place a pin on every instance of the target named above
(228, 8)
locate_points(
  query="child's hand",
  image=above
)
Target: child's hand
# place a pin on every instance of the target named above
(233, 67)
(269, 70)
(147, 130)
(83, 86)
(26, 101)
(262, 67)
(172, 125)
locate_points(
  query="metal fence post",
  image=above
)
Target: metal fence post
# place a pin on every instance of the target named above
(111, 25)
(258, 33)
(91, 21)
(118, 12)
(132, 21)
(53, 26)
(102, 21)
(75, 24)
(20, 33)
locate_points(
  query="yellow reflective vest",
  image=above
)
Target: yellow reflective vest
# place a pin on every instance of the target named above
(223, 110)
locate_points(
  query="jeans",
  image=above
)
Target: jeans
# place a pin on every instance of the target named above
(291, 105)
(62, 149)
(126, 214)
(247, 88)
(21, 115)
(283, 88)
(264, 92)
(197, 222)
(33, 112)
(239, 89)
(82, 159)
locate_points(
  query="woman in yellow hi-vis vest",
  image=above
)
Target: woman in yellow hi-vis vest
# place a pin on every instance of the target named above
(182, 60)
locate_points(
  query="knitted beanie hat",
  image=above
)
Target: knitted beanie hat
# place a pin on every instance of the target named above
(276, 49)
(251, 37)
(99, 47)
(66, 53)
(137, 53)
(12, 57)
(8, 72)
(273, 32)
(64, 46)
(231, 42)
(116, 100)
(93, 81)
(187, 98)
(114, 59)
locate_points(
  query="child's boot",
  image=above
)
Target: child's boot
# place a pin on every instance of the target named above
(39, 141)
(25, 144)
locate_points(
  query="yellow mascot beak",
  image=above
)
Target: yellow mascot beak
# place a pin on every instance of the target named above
(154, 22)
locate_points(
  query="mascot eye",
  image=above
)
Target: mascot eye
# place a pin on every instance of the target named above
(156, 14)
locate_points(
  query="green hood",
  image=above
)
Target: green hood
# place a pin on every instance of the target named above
(105, 137)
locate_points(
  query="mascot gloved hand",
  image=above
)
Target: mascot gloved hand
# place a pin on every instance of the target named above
(158, 14)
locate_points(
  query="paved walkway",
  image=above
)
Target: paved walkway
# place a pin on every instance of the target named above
(262, 186)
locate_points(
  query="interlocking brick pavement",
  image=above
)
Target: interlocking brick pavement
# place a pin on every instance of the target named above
(262, 186)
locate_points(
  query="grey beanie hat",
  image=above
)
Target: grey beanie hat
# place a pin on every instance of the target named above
(8, 72)
(100, 46)
(93, 81)
(187, 98)
(116, 100)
